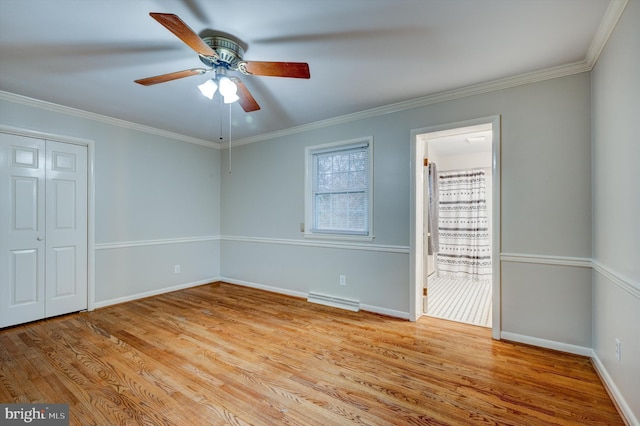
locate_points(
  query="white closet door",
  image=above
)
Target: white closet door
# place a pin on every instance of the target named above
(66, 224)
(22, 229)
(43, 229)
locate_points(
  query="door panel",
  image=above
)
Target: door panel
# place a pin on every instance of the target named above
(66, 266)
(24, 198)
(24, 277)
(64, 260)
(22, 229)
(64, 200)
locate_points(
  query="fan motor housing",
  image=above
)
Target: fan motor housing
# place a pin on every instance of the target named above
(229, 52)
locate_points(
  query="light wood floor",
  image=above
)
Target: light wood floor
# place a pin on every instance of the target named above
(224, 354)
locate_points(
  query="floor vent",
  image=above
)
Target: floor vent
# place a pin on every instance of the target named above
(336, 302)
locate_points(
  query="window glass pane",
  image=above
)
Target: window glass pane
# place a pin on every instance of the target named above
(340, 190)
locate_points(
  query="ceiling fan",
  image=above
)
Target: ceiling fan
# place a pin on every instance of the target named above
(220, 55)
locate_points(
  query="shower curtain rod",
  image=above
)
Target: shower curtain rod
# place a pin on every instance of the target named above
(465, 169)
(426, 164)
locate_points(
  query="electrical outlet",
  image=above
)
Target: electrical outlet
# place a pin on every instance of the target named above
(618, 350)
(176, 269)
(343, 280)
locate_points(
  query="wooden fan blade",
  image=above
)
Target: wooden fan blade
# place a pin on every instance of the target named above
(149, 81)
(247, 101)
(276, 69)
(174, 24)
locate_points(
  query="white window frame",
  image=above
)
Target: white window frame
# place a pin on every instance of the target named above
(310, 151)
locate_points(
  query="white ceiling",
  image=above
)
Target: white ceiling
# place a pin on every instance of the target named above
(468, 140)
(362, 54)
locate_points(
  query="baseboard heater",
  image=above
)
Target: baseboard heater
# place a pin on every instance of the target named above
(334, 301)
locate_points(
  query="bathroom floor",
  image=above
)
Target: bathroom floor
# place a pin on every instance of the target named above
(460, 300)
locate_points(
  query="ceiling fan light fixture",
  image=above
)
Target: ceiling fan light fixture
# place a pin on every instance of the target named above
(229, 99)
(221, 54)
(227, 87)
(208, 88)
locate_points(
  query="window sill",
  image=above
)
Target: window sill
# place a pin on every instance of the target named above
(339, 237)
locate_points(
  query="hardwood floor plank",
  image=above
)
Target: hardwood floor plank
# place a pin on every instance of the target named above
(225, 354)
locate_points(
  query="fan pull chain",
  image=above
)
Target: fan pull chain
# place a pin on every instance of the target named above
(220, 114)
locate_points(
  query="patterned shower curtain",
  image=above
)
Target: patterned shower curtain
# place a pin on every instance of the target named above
(465, 247)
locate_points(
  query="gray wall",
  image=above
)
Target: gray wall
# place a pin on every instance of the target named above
(616, 208)
(546, 204)
(156, 200)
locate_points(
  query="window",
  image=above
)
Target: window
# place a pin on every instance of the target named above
(338, 189)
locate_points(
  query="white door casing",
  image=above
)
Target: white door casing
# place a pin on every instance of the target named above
(43, 228)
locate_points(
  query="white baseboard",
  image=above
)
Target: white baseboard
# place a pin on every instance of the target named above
(615, 394)
(385, 311)
(334, 301)
(549, 344)
(608, 382)
(279, 290)
(142, 295)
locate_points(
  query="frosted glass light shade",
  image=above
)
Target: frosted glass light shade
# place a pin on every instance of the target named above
(208, 88)
(229, 99)
(227, 87)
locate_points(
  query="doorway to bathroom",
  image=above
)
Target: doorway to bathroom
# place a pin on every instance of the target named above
(457, 222)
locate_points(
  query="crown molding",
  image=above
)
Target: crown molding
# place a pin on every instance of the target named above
(476, 89)
(37, 103)
(607, 25)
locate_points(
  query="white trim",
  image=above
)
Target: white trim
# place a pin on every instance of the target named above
(334, 301)
(321, 244)
(496, 226)
(4, 128)
(580, 262)
(163, 290)
(142, 243)
(548, 344)
(91, 224)
(271, 289)
(347, 245)
(621, 281)
(36, 103)
(339, 237)
(299, 294)
(613, 391)
(607, 25)
(477, 89)
(385, 311)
